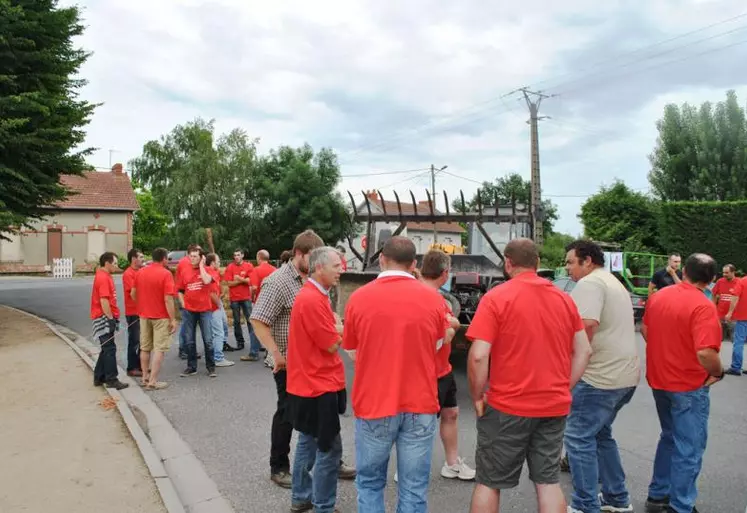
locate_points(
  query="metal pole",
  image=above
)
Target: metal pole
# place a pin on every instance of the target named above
(433, 194)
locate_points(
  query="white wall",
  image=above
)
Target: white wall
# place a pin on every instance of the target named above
(12, 250)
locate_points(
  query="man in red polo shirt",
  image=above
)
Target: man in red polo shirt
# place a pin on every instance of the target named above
(316, 386)
(738, 314)
(263, 270)
(435, 273)
(683, 340)
(529, 338)
(219, 321)
(238, 278)
(135, 259)
(725, 295)
(395, 325)
(194, 295)
(105, 322)
(154, 292)
(183, 265)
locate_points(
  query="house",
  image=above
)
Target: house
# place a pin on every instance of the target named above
(420, 233)
(96, 218)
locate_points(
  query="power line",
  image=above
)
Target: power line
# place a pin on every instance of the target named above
(406, 171)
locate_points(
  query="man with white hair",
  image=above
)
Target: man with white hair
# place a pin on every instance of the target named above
(316, 386)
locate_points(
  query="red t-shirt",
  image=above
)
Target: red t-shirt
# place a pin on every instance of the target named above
(530, 324)
(183, 265)
(241, 292)
(152, 285)
(680, 321)
(128, 281)
(103, 288)
(312, 370)
(725, 289)
(393, 324)
(443, 357)
(196, 293)
(261, 272)
(214, 285)
(740, 312)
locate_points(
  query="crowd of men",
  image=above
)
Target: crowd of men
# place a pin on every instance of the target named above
(546, 369)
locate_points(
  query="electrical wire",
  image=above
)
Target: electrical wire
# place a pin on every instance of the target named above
(385, 173)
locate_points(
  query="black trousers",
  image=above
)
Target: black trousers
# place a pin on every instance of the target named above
(106, 364)
(133, 342)
(282, 430)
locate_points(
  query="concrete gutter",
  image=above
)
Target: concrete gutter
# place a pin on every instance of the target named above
(182, 481)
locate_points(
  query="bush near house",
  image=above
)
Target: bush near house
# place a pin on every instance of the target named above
(713, 227)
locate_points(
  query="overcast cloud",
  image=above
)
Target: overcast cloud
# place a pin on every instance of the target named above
(398, 86)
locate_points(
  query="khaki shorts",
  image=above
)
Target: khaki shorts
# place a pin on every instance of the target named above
(154, 335)
(505, 441)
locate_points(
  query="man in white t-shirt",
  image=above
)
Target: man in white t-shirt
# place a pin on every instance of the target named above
(607, 385)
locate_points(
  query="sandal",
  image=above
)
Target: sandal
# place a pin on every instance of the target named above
(159, 385)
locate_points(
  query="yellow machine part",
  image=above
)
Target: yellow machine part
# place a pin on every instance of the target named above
(450, 249)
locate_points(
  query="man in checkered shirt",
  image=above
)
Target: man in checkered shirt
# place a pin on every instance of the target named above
(270, 319)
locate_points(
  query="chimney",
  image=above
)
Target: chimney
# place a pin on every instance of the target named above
(117, 169)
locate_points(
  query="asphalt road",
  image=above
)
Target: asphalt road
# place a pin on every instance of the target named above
(227, 423)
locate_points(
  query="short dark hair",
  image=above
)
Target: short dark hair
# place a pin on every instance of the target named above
(675, 254)
(400, 250)
(700, 268)
(197, 249)
(435, 262)
(193, 247)
(587, 249)
(133, 253)
(285, 256)
(306, 242)
(522, 253)
(732, 268)
(160, 254)
(212, 257)
(107, 258)
(239, 250)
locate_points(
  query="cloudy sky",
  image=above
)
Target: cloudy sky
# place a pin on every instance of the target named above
(398, 86)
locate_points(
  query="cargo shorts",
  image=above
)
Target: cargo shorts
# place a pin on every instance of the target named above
(154, 335)
(505, 441)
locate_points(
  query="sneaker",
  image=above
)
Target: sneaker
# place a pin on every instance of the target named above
(346, 471)
(657, 505)
(458, 470)
(732, 372)
(282, 479)
(301, 507)
(614, 509)
(571, 510)
(188, 372)
(224, 363)
(212, 373)
(229, 349)
(117, 385)
(249, 358)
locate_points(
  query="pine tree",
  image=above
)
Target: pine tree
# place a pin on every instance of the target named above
(41, 115)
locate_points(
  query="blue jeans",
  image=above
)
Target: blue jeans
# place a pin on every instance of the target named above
(413, 434)
(190, 322)
(679, 456)
(219, 325)
(182, 333)
(237, 307)
(737, 351)
(592, 452)
(321, 488)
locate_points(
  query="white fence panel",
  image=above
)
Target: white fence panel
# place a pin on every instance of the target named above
(62, 268)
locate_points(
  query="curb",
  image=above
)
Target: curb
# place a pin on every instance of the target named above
(182, 482)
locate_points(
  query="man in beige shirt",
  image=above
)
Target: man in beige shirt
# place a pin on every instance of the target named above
(607, 385)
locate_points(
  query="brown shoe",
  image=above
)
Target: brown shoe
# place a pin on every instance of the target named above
(249, 358)
(282, 479)
(301, 507)
(135, 373)
(346, 472)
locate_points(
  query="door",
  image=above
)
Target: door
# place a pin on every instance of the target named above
(54, 245)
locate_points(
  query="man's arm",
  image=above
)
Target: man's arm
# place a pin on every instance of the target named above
(711, 362)
(133, 293)
(591, 326)
(644, 332)
(477, 373)
(732, 306)
(581, 356)
(168, 300)
(264, 334)
(204, 274)
(107, 308)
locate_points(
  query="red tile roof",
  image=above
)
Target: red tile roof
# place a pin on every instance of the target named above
(110, 190)
(423, 209)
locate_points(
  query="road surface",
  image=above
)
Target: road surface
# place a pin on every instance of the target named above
(227, 423)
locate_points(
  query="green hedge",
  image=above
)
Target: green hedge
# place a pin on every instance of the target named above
(718, 228)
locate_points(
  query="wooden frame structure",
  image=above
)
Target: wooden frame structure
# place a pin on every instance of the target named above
(429, 216)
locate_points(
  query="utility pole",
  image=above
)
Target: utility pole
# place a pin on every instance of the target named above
(433, 195)
(536, 189)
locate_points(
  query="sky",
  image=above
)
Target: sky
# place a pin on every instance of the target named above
(394, 87)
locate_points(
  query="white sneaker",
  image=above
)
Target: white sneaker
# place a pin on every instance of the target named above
(614, 509)
(571, 510)
(458, 470)
(224, 363)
